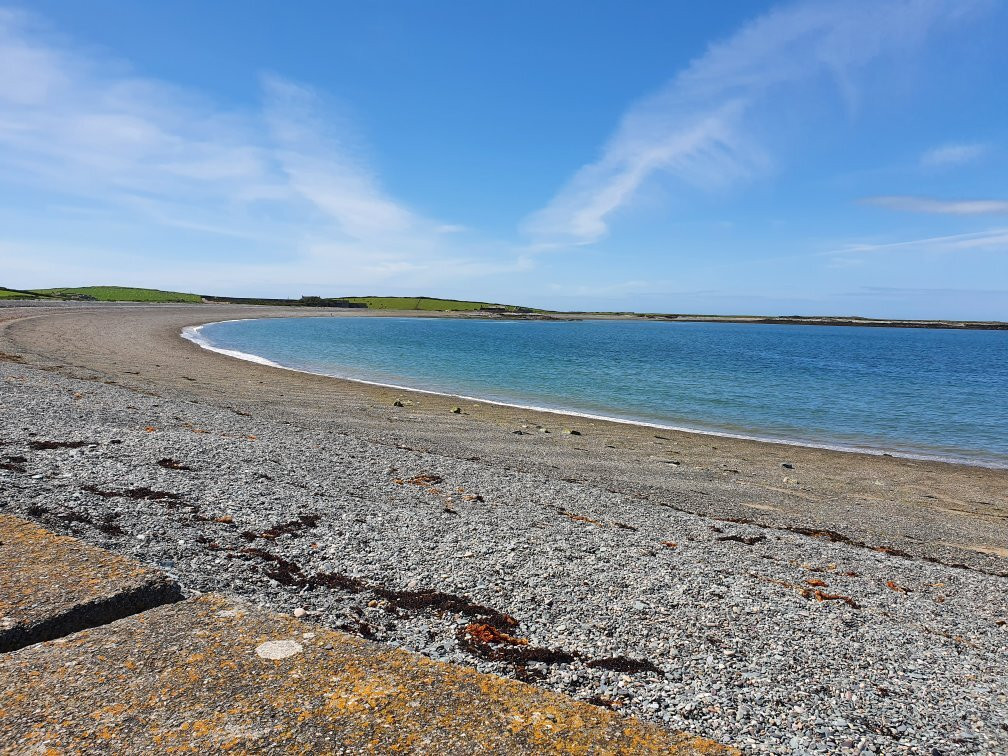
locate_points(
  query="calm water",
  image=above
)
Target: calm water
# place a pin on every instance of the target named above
(912, 391)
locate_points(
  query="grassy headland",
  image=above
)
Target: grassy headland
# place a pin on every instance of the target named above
(434, 304)
(117, 294)
(6, 293)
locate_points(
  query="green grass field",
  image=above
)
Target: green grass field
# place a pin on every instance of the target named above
(428, 303)
(130, 294)
(15, 294)
(122, 294)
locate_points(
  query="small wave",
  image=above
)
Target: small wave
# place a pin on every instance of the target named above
(195, 335)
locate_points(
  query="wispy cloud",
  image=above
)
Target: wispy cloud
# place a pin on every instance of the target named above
(699, 128)
(944, 207)
(282, 195)
(950, 155)
(995, 239)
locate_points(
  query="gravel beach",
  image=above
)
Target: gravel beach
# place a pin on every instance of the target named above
(777, 598)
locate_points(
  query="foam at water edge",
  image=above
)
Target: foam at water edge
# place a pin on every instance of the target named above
(193, 334)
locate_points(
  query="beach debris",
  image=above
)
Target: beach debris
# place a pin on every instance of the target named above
(225, 520)
(14, 463)
(670, 544)
(289, 528)
(624, 526)
(106, 525)
(747, 540)
(300, 612)
(518, 432)
(485, 633)
(39, 445)
(456, 410)
(814, 593)
(425, 479)
(571, 432)
(172, 464)
(787, 465)
(624, 664)
(398, 403)
(150, 429)
(894, 586)
(819, 595)
(576, 517)
(474, 498)
(817, 583)
(143, 492)
(544, 430)
(408, 600)
(603, 702)
(514, 652)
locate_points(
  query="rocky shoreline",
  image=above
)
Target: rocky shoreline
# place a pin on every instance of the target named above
(768, 631)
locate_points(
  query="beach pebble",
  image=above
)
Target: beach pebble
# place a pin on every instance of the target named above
(277, 650)
(733, 628)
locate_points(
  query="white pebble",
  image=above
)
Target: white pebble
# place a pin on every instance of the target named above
(278, 649)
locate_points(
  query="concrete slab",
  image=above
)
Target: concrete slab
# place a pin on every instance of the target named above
(211, 675)
(53, 585)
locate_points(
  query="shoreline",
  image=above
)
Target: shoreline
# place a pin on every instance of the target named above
(891, 502)
(774, 598)
(192, 334)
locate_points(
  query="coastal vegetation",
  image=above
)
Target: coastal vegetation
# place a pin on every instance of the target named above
(17, 294)
(117, 294)
(435, 304)
(132, 294)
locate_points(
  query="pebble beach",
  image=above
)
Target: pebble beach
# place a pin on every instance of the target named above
(776, 598)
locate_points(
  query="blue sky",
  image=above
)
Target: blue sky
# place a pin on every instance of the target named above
(810, 157)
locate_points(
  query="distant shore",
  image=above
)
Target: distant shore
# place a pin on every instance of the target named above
(431, 309)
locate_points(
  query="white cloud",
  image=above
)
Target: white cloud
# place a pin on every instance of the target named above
(950, 155)
(229, 198)
(944, 207)
(699, 129)
(995, 239)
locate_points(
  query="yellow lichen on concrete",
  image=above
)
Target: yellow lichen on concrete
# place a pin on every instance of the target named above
(53, 585)
(211, 691)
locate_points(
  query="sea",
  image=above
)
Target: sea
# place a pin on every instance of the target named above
(916, 392)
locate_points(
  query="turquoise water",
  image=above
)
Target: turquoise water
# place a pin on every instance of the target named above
(934, 393)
